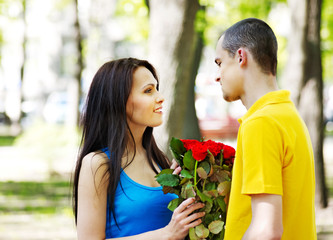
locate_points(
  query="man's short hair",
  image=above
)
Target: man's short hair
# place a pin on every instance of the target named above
(255, 35)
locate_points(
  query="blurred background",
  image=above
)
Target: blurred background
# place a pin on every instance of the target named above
(50, 50)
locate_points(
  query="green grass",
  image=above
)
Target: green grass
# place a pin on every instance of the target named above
(35, 197)
(7, 140)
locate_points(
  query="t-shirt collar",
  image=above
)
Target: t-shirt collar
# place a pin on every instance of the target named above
(269, 98)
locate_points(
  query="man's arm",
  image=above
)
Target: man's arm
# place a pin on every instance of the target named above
(266, 220)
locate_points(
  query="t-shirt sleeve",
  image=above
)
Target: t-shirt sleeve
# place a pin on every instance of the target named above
(262, 157)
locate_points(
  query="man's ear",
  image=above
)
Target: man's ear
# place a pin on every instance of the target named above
(242, 56)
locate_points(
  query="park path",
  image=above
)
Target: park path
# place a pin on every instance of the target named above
(37, 227)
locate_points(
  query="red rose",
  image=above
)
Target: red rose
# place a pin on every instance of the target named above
(214, 147)
(199, 151)
(189, 143)
(228, 152)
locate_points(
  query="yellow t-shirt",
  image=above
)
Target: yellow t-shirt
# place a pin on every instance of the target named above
(274, 156)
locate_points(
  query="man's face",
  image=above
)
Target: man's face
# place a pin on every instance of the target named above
(229, 73)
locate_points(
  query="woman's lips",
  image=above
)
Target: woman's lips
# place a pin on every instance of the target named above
(158, 110)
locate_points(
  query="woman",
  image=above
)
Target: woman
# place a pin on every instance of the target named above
(115, 192)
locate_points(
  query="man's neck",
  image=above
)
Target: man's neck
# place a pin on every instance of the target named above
(258, 87)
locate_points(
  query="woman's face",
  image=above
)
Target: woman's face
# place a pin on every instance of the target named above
(144, 104)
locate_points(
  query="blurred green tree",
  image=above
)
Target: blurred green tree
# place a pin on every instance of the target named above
(5, 118)
(2, 6)
(178, 33)
(326, 35)
(24, 57)
(303, 74)
(80, 66)
(171, 49)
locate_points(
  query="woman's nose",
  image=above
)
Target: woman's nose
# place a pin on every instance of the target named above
(160, 98)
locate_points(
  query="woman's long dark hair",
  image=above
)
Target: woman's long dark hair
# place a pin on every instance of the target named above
(104, 123)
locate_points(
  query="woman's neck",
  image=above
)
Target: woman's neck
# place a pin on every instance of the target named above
(134, 146)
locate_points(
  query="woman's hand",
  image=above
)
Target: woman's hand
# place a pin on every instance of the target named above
(176, 167)
(183, 219)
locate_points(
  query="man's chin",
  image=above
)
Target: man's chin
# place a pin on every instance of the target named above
(227, 98)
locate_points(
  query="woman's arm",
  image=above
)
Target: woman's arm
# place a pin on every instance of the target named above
(92, 201)
(182, 220)
(92, 197)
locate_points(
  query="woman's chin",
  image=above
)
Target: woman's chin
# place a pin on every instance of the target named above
(157, 124)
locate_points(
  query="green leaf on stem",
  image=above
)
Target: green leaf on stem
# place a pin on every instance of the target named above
(221, 235)
(219, 175)
(188, 191)
(189, 161)
(173, 204)
(167, 189)
(224, 188)
(183, 181)
(216, 226)
(186, 174)
(201, 231)
(225, 167)
(205, 165)
(192, 234)
(220, 201)
(203, 197)
(208, 218)
(211, 157)
(202, 173)
(210, 186)
(170, 180)
(213, 193)
(165, 171)
(177, 150)
(207, 208)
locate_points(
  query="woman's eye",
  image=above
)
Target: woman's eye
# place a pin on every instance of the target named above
(148, 90)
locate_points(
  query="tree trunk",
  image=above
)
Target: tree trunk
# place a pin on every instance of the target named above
(171, 51)
(304, 73)
(101, 32)
(191, 128)
(79, 68)
(24, 57)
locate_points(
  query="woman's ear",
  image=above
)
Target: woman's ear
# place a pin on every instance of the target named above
(242, 56)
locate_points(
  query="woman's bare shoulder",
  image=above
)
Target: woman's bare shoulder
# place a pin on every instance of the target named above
(95, 164)
(95, 160)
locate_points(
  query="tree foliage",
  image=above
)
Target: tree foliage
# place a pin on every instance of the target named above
(134, 16)
(327, 40)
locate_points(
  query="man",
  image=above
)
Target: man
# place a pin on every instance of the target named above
(272, 193)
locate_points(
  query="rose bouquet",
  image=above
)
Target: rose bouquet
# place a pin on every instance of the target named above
(206, 175)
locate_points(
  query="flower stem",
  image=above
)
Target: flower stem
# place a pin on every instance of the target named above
(195, 173)
(221, 158)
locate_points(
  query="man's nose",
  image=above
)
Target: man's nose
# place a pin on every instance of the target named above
(218, 75)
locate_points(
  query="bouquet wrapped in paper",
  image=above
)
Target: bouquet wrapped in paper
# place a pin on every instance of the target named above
(206, 175)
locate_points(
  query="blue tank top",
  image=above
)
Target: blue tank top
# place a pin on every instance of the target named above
(138, 208)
